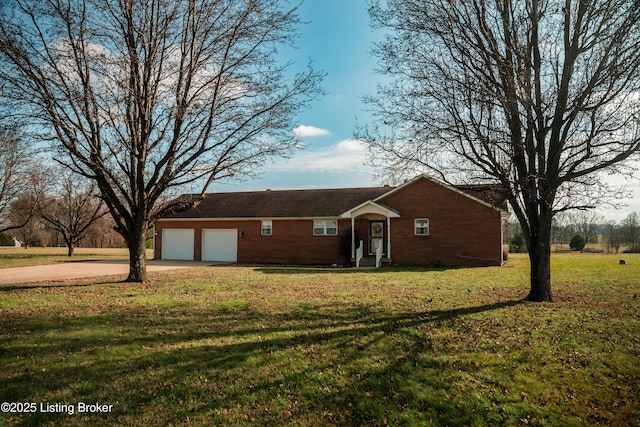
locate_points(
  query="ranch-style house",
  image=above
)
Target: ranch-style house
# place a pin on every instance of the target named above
(419, 223)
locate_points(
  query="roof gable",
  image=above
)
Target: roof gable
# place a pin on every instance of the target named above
(487, 195)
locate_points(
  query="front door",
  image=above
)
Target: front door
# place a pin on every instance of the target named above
(376, 236)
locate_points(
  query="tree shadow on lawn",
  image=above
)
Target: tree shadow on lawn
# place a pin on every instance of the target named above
(330, 365)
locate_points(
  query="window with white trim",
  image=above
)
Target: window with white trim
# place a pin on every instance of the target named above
(267, 228)
(325, 228)
(421, 226)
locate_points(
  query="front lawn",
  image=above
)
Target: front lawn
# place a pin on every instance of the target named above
(277, 346)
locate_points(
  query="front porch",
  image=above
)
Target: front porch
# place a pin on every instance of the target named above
(375, 249)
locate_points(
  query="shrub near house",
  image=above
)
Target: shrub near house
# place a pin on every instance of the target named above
(6, 240)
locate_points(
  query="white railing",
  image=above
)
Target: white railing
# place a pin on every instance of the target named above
(359, 253)
(379, 255)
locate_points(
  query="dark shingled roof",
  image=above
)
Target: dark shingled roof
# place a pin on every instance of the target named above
(282, 203)
(306, 203)
(487, 193)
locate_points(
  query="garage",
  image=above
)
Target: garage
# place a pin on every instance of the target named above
(220, 245)
(177, 244)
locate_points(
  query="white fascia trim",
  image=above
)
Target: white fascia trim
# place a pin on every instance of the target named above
(266, 218)
(389, 213)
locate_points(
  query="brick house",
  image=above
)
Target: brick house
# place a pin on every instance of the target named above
(422, 222)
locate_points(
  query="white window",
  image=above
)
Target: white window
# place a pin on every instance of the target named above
(422, 227)
(325, 228)
(266, 228)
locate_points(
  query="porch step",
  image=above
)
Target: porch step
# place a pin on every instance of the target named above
(368, 262)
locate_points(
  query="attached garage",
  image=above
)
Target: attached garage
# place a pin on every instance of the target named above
(178, 244)
(220, 245)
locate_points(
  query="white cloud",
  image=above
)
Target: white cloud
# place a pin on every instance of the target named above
(310, 131)
(345, 155)
(630, 203)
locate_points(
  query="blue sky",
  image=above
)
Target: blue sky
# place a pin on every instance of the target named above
(337, 38)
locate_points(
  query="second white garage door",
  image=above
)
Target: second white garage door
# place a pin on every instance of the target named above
(220, 245)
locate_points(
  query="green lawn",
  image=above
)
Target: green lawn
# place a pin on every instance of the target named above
(273, 346)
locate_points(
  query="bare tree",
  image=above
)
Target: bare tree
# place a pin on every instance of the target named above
(631, 228)
(23, 212)
(101, 234)
(73, 209)
(612, 236)
(586, 224)
(16, 176)
(562, 228)
(538, 96)
(146, 96)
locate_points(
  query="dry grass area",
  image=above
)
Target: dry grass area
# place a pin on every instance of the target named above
(21, 257)
(285, 346)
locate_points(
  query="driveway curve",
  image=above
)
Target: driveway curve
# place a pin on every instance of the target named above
(81, 269)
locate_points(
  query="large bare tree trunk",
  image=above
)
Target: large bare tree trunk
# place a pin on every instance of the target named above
(540, 271)
(537, 219)
(137, 257)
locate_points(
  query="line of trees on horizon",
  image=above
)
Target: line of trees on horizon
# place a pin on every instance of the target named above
(38, 234)
(596, 233)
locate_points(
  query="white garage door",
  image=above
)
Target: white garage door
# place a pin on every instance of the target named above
(220, 245)
(177, 244)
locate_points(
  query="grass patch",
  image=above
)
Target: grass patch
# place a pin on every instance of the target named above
(273, 346)
(21, 257)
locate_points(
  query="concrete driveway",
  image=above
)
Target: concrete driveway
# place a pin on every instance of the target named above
(80, 269)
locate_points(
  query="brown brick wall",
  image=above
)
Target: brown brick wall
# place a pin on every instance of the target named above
(462, 232)
(292, 241)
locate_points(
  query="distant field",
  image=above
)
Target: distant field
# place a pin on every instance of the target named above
(590, 248)
(262, 346)
(21, 257)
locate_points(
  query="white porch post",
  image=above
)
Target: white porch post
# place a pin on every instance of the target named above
(389, 237)
(353, 237)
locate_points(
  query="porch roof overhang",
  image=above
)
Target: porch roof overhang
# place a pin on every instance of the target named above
(368, 208)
